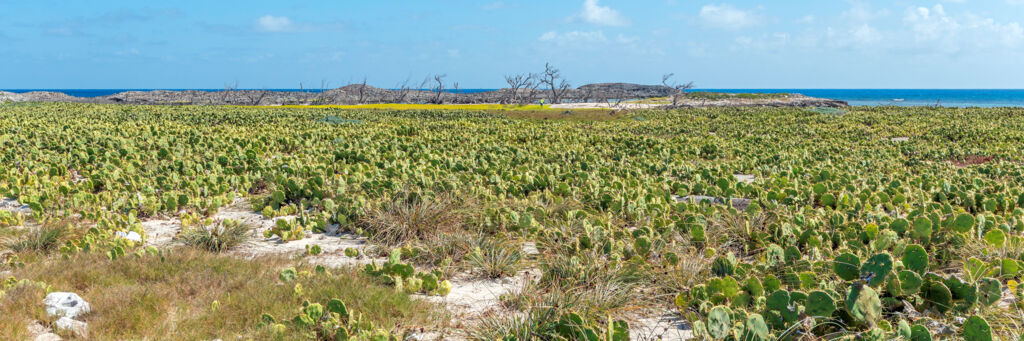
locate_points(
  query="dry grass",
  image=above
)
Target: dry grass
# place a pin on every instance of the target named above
(170, 296)
(46, 238)
(494, 257)
(221, 236)
(408, 217)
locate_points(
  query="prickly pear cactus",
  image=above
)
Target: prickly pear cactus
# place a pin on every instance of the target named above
(863, 304)
(977, 329)
(876, 268)
(719, 322)
(989, 291)
(755, 329)
(820, 304)
(847, 266)
(915, 258)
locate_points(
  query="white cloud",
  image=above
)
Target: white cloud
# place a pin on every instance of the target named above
(573, 37)
(270, 23)
(950, 33)
(807, 19)
(865, 34)
(727, 17)
(601, 15)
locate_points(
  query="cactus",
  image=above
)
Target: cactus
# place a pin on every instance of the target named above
(755, 329)
(977, 329)
(820, 304)
(920, 333)
(963, 223)
(719, 322)
(413, 285)
(444, 288)
(903, 330)
(338, 307)
(847, 266)
(922, 229)
(989, 291)
(351, 252)
(863, 304)
(876, 268)
(937, 295)
(996, 238)
(910, 282)
(915, 258)
(287, 275)
(723, 266)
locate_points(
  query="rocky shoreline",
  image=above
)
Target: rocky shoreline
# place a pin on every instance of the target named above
(609, 93)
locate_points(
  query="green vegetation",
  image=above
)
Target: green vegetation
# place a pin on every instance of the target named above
(844, 231)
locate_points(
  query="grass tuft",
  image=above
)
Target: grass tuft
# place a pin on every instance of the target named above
(408, 217)
(46, 238)
(495, 258)
(221, 236)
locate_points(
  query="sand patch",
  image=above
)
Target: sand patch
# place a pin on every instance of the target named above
(664, 326)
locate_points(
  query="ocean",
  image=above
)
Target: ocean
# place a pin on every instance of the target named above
(870, 97)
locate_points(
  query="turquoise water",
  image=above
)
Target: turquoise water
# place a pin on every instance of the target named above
(901, 97)
(909, 97)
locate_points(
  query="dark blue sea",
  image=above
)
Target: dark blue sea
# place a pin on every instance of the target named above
(901, 97)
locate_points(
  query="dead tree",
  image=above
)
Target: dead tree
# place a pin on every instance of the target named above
(228, 88)
(677, 89)
(519, 81)
(361, 92)
(552, 77)
(321, 97)
(455, 92)
(256, 96)
(400, 93)
(438, 89)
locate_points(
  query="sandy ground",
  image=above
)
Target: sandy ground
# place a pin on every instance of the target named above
(160, 233)
(667, 325)
(8, 204)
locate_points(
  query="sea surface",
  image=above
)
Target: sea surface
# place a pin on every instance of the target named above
(900, 97)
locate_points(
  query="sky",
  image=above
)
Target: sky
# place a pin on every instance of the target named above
(727, 44)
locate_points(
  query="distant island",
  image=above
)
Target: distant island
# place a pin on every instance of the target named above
(600, 95)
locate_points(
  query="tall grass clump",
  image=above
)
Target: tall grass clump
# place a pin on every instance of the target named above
(409, 216)
(221, 236)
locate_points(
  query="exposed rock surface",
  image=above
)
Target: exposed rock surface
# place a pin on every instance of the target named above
(362, 94)
(67, 304)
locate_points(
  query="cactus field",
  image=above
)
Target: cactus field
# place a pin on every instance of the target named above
(865, 223)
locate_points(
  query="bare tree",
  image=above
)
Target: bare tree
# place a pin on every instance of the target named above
(256, 96)
(228, 88)
(361, 92)
(552, 77)
(401, 92)
(677, 89)
(517, 82)
(439, 89)
(321, 97)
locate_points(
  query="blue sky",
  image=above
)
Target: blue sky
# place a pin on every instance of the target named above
(729, 44)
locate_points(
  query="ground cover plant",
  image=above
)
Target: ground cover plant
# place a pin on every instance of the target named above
(751, 223)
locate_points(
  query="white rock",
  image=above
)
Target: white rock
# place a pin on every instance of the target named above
(65, 304)
(131, 235)
(78, 327)
(47, 337)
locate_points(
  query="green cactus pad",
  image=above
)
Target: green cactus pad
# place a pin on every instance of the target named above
(755, 329)
(915, 258)
(863, 304)
(989, 291)
(820, 304)
(847, 266)
(876, 268)
(719, 322)
(977, 329)
(963, 223)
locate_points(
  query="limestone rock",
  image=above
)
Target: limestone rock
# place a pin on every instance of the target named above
(65, 304)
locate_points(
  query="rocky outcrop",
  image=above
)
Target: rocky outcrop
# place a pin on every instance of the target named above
(365, 94)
